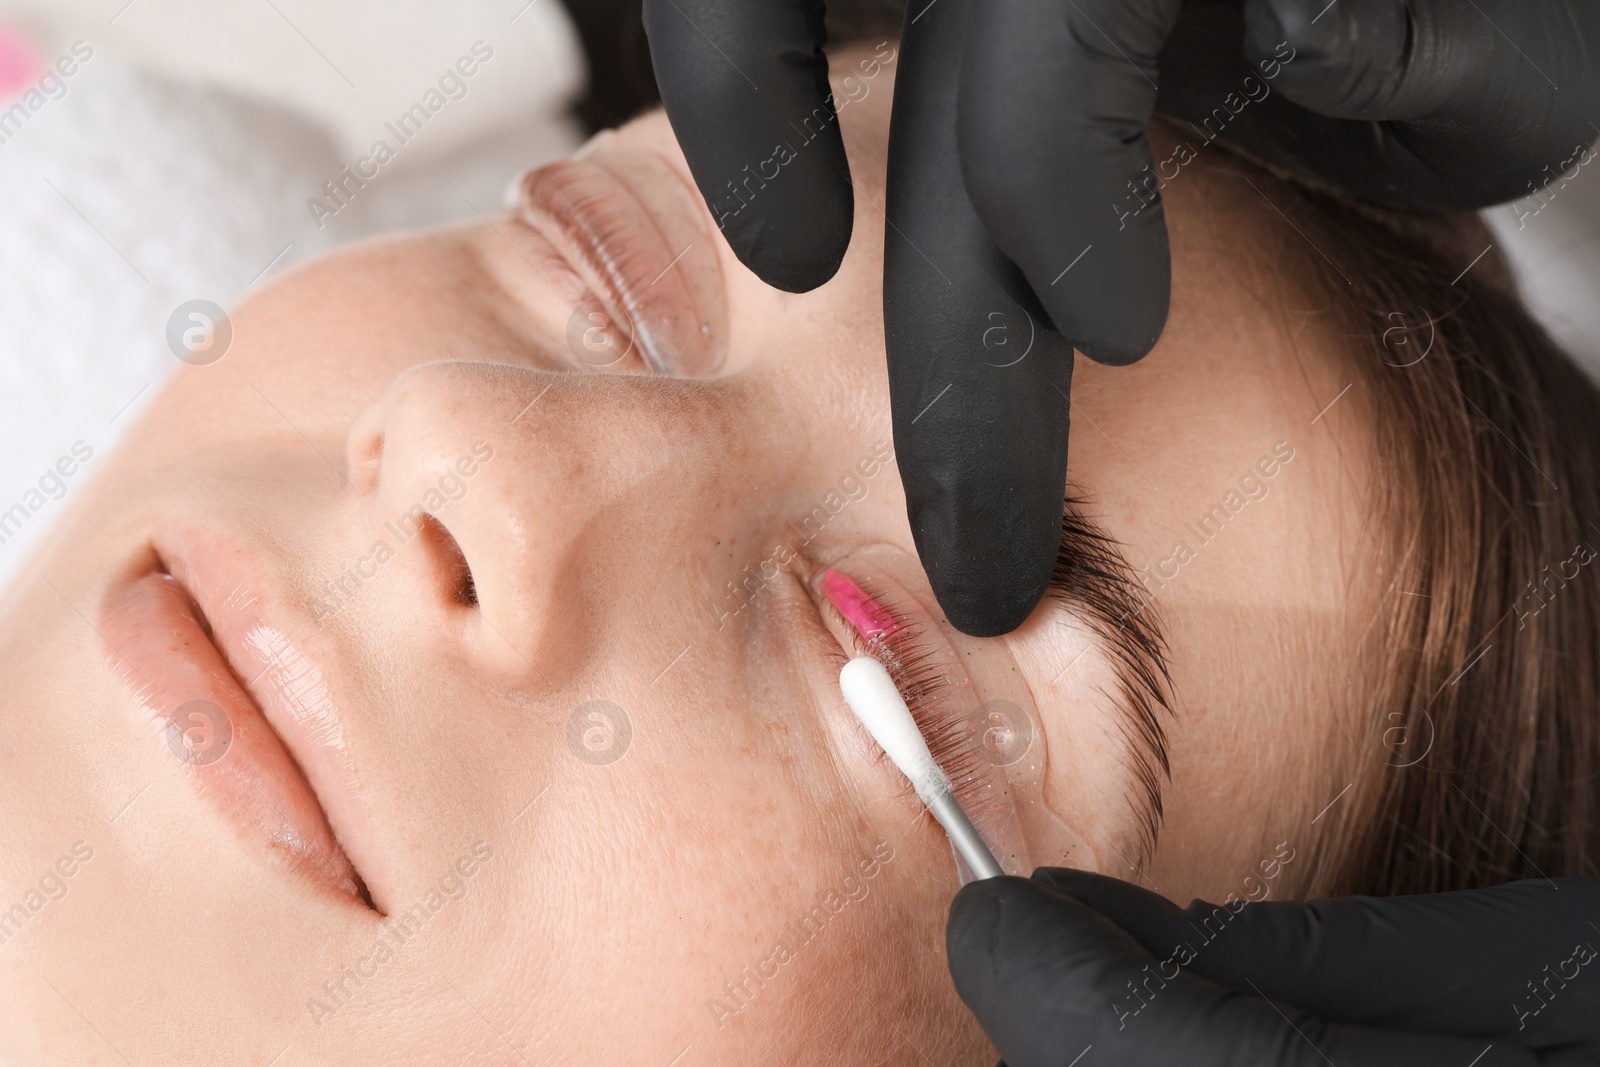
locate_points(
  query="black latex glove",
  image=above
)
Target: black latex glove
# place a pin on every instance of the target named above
(1067, 960)
(1018, 126)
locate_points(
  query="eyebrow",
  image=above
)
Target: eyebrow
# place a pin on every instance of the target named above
(1093, 576)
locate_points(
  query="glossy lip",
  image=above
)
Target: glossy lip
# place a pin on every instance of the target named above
(624, 218)
(186, 627)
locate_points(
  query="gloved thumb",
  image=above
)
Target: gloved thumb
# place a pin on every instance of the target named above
(1049, 978)
(1043, 973)
(1467, 963)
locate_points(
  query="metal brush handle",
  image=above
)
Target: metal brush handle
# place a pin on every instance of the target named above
(964, 836)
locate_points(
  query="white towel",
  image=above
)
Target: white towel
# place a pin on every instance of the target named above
(131, 193)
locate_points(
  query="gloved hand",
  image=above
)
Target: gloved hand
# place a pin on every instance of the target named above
(1065, 961)
(1022, 213)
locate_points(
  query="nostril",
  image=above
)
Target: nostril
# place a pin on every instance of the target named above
(453, 569)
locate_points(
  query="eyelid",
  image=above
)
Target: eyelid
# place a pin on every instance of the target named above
(871, 617)
(985, 705)
(538, 294)
(668, 302)
(591, 332)
(905, 650)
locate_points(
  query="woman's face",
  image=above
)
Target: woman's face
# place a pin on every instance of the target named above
(410, 687)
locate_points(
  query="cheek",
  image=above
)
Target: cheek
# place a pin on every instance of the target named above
(686, 894)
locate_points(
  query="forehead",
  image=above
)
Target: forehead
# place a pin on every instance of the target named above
(1233, 463)
(1252, 355)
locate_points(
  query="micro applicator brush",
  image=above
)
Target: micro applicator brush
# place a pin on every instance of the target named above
(872, 695)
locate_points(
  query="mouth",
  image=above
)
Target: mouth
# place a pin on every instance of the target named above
(239, 707)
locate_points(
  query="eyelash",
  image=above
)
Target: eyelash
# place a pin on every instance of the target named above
(908, 655)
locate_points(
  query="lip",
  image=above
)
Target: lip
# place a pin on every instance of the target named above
(268, 752)
(626, 221)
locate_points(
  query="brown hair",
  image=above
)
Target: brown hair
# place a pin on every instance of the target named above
(1486, 648)
(1478, 726)
(1477, 756)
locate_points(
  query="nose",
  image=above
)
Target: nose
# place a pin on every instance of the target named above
(566, 494)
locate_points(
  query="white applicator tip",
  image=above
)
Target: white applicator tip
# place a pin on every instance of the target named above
(873, 696)
(880, 708)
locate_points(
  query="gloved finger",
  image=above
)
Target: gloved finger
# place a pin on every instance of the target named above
(1501, 963)
(1474, 101)
(1049, 978)
(979, 386)
(1054, 99)
(745, 86)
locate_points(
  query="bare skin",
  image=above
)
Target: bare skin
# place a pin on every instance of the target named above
(611, 904)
